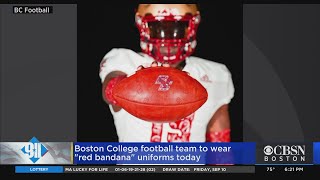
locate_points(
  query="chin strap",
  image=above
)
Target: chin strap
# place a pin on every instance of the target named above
(221, 136)
(109, 88)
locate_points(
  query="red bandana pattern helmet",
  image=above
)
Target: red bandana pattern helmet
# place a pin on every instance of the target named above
(167, 35)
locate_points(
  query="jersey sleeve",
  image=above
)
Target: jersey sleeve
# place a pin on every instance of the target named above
(117, 60)
(226, 89)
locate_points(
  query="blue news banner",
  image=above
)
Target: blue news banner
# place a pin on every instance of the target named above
(316, 153)
(242, 153)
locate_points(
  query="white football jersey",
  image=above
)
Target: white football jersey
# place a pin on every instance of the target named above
(215, 77)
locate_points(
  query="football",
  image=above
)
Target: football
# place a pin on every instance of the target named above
(160, 94)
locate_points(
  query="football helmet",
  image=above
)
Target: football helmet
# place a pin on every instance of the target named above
(166, 34)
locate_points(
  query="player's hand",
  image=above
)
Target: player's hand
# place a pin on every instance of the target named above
(156, 64)
(109, 84)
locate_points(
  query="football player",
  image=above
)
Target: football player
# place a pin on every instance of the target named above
(168, 38)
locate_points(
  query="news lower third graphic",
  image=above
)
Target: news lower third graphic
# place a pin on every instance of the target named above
(165, 153)
(316, 153)
(285, 153)
(36, 156)
(36, 152)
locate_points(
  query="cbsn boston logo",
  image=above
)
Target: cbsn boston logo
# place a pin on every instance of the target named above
(34, 150)
(284, 153)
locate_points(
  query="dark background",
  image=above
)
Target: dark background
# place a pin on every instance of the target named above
(219, 38)
(38, 76)
(102, 26)
(281, 72)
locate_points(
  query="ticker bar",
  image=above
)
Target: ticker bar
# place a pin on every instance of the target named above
(159, 169)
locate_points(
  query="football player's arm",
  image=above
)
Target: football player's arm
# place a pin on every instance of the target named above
(109, 82)
(218, 128)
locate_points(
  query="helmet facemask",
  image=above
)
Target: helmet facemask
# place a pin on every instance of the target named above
(167, 37)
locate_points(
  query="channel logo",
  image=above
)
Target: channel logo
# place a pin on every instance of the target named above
(34, 150)
(285, 153)
(285, 150)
